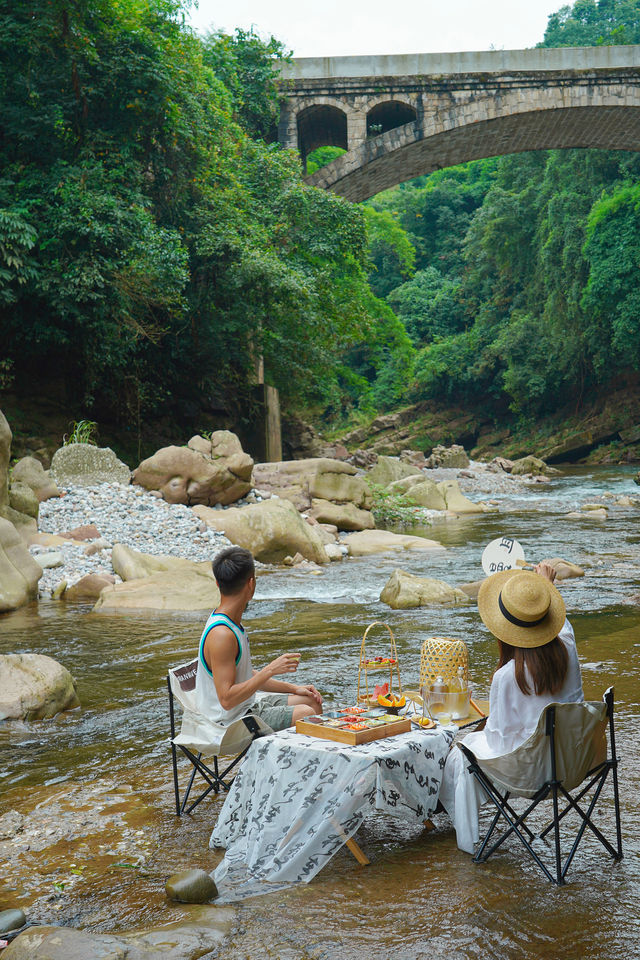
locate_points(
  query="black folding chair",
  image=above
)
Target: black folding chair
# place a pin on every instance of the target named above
(200, 738)
(568, 751)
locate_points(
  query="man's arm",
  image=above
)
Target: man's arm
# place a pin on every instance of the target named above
(220, 653)
(296, 690)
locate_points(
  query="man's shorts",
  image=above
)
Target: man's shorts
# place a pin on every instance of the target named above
(274, 710)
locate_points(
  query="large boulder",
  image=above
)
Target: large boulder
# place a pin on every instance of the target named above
(564, 569)
(388, 469)
(421, 490)
(271, 530)
(403, 591)
(132, 565)
(178, 590)
(345, 516)
(30, 471)
(19, 572)
(456, 500)
(24, 524)
(427, 494)
(34, 687)
(88, 588)
(199, 934)
(454, 456)
(5, 457)
(23, 499)
(318, 478)
(366, 542)
(206, 472)
(83, 464)
(532, 465)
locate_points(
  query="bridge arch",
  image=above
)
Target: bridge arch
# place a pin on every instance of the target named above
(572, 114)
(322, 123)
(385, 113)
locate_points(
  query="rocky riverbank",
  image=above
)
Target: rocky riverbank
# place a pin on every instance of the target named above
(109, 513)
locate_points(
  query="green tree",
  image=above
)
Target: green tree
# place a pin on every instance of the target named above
(248, 65)
(612, 294)
(430, 306)
(153, 248)
(593, 22)
(390, 249)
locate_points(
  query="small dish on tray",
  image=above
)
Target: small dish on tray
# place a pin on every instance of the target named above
(424, 723)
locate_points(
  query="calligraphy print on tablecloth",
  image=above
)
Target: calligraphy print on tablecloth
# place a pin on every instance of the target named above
(296, 800)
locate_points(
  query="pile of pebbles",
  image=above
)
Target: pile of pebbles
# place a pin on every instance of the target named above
(122, 514)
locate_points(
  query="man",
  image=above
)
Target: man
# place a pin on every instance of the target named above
(226, 683)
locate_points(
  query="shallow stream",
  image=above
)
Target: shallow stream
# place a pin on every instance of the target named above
(94, 786)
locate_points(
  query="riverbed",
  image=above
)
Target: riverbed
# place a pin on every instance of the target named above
(93, 786)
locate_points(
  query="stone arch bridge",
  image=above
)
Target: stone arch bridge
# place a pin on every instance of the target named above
(402, 116)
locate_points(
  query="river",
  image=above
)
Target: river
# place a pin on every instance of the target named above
(94, 785)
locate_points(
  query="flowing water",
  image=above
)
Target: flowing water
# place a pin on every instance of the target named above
(94, 785)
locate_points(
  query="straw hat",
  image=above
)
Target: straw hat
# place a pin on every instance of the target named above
(521, 608)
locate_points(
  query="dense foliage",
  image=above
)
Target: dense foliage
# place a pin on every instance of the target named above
(153, 244)
(526, 290)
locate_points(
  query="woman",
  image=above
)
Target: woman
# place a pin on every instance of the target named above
(538, 665)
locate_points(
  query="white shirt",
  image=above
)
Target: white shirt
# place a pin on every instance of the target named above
(513, 715)
(206, 694)
(512, 719)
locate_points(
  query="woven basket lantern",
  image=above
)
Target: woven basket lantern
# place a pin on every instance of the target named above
(442, 657)
(367, 666)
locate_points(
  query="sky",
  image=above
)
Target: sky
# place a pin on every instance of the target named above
(332, 28)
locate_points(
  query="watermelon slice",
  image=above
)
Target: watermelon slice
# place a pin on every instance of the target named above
(381, 689)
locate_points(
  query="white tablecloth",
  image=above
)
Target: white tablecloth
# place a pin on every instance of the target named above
(296, 799)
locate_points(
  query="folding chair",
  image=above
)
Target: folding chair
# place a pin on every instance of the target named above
(199, 737)
(568, 750)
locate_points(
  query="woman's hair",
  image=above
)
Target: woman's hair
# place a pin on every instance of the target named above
(546, 665)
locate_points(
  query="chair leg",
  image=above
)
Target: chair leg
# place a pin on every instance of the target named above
(576, 799)
(176, 789)
(616, 804)
(556, 824)
(215, 778)
(189, 785)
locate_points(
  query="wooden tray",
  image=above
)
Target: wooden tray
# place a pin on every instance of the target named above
(354, 737)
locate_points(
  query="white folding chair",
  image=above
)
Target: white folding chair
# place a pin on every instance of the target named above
(200, 737)
(567, 751)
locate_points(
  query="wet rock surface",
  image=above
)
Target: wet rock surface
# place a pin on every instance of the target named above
(182, 589)
(11, 919)
(404, 591)
(34, 687)
(19, 572)
(366, 542)
(63, 943)
(191, 886)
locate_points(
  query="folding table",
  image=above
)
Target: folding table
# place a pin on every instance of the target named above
(296, 800)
